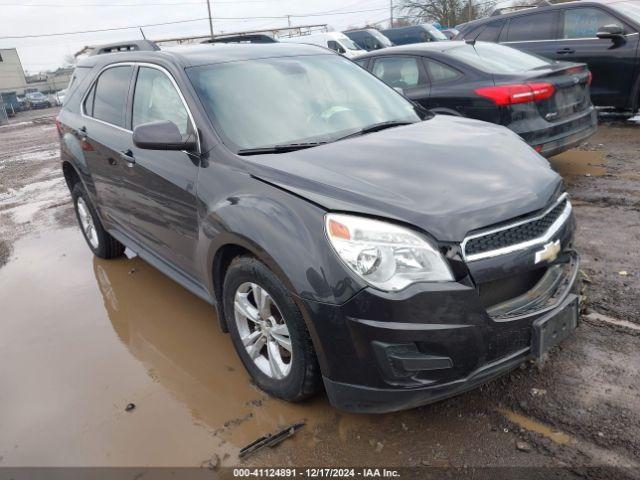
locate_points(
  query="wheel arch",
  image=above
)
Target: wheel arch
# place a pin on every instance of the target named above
(71, 175)
(229, 246)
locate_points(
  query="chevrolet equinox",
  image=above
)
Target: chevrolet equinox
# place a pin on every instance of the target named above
(346, 237)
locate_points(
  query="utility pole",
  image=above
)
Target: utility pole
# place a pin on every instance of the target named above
(469, 10)
(390, 13)
(210, 19)
(289, 20)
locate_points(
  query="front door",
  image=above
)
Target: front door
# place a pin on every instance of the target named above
(612, 64)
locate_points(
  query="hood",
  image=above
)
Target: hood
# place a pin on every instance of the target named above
(447, 175)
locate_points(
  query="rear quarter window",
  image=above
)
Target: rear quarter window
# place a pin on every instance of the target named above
(439, 72)
(473, 32)
(72, 97)
(491, 32)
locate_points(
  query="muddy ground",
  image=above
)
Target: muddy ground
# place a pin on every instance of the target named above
(81, 338)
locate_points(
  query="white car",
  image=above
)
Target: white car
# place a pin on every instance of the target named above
(336, 41)
(60, 96)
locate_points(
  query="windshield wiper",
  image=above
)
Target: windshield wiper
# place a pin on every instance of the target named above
(289, 147)
(376, 127)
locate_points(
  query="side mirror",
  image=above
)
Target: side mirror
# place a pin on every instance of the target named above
(162, 136)
(612, 32)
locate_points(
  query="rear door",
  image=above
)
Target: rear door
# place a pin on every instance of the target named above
(452, 87)
(612, 64)
(405, 72)
(161, 184)
(104, 137)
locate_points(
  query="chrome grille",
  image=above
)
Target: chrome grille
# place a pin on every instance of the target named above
(519, 234)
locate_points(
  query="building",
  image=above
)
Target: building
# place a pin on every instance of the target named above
(12, 77)
(49, 82)
(14, 80)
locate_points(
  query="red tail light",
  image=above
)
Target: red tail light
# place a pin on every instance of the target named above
(590, 79)
(518, 93)
(59, 126)
(542, 91)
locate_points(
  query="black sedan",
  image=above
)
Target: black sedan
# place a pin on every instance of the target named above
(546, 102)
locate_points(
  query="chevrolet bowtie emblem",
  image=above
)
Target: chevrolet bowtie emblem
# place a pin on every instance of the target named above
(549, 252)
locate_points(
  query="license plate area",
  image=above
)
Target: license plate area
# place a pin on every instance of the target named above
(570, 100)
(550, 330)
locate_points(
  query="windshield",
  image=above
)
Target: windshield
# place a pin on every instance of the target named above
(629, 9)
(279, 101)
(381, 38)
(493, 58)
(435, 33)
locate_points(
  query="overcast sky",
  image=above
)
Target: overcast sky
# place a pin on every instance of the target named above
(39, 17)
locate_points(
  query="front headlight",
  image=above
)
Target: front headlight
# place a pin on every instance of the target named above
(384, 255)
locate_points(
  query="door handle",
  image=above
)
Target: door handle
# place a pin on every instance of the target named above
(127, 156)
(565, 51)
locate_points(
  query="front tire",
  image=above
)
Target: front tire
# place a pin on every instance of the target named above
(268, 331)
(100, 242)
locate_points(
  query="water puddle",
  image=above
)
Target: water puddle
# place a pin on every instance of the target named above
(579, 162)
(535, 426)
(85, 337)
(598, 317)
(596, 454)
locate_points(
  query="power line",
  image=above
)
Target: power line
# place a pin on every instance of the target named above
(13, 37)
(100, 5)
(320, 14)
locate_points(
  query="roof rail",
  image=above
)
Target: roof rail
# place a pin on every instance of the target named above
(132, 46)
(516, 7)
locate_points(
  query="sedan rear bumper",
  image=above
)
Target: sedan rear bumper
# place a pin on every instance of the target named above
(551, 139)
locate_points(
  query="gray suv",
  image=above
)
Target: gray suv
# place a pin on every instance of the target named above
(346, 237)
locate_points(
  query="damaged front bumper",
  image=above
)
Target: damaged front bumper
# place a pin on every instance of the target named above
(384, 352)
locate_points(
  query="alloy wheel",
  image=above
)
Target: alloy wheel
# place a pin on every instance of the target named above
(263, 330)
(86, 223)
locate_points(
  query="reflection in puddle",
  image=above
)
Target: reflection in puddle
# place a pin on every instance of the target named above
(177, 338)
(579, 162)
(70, 376)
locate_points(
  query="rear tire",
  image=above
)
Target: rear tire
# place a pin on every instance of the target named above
(263, 320)
(100, 242)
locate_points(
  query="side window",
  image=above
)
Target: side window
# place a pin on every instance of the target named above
(473, 33)
(585, 22)
(538, 26)
(370, 43)
(333, 45)
(77, 77)
(155, 99)
(110, 94)
(439, 72)
(491, 33)
(362, 62)
(401, 72)
(88, 101)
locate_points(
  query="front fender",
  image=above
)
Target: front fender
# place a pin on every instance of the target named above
(286, 233)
